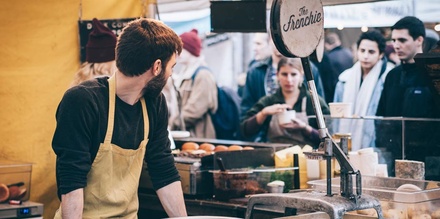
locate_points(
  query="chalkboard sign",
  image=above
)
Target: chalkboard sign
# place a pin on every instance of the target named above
(85, 27)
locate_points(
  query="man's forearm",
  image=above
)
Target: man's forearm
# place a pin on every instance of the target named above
(72, 204)
(171, 197)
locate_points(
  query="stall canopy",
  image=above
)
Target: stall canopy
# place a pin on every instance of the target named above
(338, 13)
(167, 6)
(380, 14)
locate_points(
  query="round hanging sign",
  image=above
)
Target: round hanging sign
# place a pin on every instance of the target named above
(296, 26)
(318, 54)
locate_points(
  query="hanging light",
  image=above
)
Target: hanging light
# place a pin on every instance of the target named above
(340, 27)
(437, 27)
(364, 29)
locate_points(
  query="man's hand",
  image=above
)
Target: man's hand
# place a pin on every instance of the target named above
(171, 197)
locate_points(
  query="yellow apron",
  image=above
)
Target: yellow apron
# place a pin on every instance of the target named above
(113, 180)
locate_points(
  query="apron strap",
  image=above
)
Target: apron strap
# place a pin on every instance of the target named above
(303, 104)
(146, 120)
(111, 108)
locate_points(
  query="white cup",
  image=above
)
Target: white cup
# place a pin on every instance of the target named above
(340, 109)
(286, 116)
(275, 188)
(382, 170)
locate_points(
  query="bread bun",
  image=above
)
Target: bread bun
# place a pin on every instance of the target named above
(190, 146)
(394, 213)
(248, 148)
(436, 214)
(207, 147)
(370, 212)
(235, 148)
(422, 216)
(416, 210)
(4, 192)
(220, 148)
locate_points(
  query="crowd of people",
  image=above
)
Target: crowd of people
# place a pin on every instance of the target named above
(115, 114)
(360, 77)
(383, 80)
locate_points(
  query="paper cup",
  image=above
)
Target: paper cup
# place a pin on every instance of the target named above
(275, 188)
(340, 109)
(382, 170)
(286, 116)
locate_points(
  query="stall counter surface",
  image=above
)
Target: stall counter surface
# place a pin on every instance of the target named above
(150, 207)
(202, 203)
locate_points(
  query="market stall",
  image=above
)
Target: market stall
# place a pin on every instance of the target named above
(368, 195)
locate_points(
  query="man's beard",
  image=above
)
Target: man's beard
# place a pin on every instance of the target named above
(155, 86)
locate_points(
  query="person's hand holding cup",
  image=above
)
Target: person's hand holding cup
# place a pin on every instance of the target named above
(289, 121)
(275, 109)
(271, 110)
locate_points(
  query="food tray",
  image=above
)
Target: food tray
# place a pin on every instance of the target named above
(399, 198)
(386, 188)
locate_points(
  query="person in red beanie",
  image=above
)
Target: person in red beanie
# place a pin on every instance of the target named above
(196, 88)
(100, 54)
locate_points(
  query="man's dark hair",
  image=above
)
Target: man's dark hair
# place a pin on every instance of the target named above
(376, 36)
(142, 42)
(414, 26)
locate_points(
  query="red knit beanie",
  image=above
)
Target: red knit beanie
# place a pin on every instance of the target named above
(192, 42)
(101, 44)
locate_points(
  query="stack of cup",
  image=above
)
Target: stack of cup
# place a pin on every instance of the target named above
(340, 110)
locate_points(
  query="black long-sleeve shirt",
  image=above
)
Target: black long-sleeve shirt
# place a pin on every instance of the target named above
(82, 117)
(406, 93)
